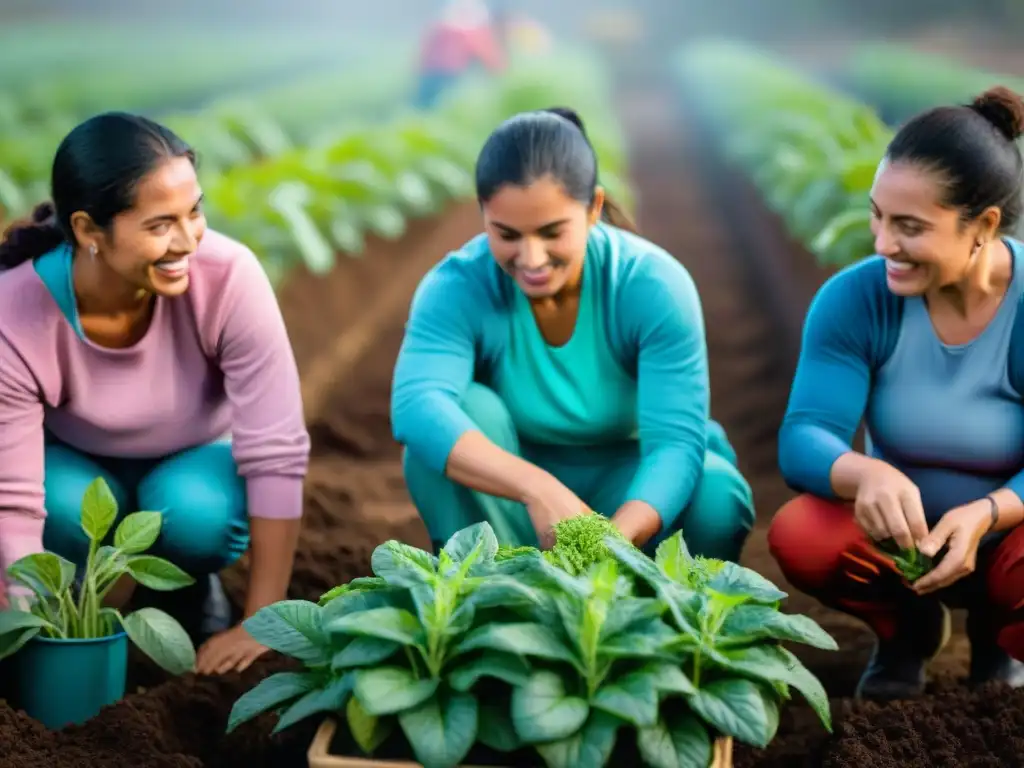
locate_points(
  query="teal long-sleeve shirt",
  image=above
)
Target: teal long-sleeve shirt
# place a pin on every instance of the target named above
(461, 327)
(949, 416)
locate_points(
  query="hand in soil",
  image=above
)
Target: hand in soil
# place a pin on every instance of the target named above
(888, 506)
(960, 530)
(231, 651)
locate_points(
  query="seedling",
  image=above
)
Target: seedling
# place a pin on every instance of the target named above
(910, 562)
(63, 607)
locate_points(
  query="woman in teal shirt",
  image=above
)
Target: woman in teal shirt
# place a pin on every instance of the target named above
(557, 363)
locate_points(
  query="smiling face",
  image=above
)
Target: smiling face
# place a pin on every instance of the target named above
(150, 244)
(926, 244)
(538, 234)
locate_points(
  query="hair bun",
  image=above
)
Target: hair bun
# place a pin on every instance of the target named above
(43, 213)
(569, 114)
(1004, 109)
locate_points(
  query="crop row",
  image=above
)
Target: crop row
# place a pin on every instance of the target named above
(811, 151)
(315, 201)
(53, 77)
(296, 193)
(901, 81)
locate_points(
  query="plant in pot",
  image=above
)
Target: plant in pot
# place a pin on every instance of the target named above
(489, 657)
(67, 639)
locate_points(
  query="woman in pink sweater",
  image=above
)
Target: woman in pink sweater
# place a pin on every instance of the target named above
(137, 345)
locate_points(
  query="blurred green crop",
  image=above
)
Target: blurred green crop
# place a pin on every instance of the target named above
(811, 151)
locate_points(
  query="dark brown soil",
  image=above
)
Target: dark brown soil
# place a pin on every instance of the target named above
(755, 285)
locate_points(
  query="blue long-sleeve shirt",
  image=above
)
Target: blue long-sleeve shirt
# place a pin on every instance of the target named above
(950, 417)
(467, 320)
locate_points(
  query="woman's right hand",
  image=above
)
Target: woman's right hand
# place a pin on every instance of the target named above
(888, 506)
(549, 502)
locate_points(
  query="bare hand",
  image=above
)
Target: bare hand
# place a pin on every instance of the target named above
(233, 650)
(550, 503)
(888, 506)
(960, 530)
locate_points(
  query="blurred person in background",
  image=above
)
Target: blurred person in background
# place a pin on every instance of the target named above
(464, 39)
(924, 341)
(556, 364)
(134, 339)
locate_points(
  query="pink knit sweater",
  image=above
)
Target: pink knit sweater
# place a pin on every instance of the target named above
(215, 360)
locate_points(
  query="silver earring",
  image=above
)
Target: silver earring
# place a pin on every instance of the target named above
(92, 251)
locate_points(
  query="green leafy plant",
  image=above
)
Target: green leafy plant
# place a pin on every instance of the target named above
(811, 151)
(65, 608)
(489, 653)
(910, 562)
(729, 635)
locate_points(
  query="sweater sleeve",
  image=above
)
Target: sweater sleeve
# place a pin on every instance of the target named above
(435, 366)
(661, 311)
(21, 460)
(850, 329)
(270, 443)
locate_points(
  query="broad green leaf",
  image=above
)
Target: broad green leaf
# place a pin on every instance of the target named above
(519, 638)
(670, 678)
(655, 639)
(138, 532)
(478, 538)
(631, 613)
(17, 628)
(363, 652)
(496, 729)
(738, 708)
(679, 740)
(636, 561)
(368, 731)
(330, 698)
(442, 729)
(632, 697)
(161, 638)
(292, 627)
(401, 565)
(512, 669)
(774, 664)
(673, 557)
(590, 746)
(157, 573)
(11, 642)
(392, 624)
(99, 510)
(351, 602)
(734, 579)
(542, 710)
(269, 694)
(493, 591)
(747, 623)
(44, 573)
(388, 690)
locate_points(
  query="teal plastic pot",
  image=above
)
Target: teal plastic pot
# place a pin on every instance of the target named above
(66, 682)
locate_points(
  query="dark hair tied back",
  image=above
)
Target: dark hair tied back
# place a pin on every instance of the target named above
(96, 169)
(973, 151)
(37, 234)
(1004, 109)
(548, 142)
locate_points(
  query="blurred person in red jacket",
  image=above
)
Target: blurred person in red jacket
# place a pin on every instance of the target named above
(462, 39)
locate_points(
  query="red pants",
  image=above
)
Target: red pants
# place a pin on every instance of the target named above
(824, 553)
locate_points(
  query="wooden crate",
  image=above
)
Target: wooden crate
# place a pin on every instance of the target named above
(320, 757)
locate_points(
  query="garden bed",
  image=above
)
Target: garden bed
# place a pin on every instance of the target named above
(755, 285)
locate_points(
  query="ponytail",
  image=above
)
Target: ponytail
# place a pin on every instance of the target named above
(613, 214)
(30, 238)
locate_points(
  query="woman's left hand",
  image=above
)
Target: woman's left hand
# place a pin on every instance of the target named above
(960, 530)
(233, 650)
